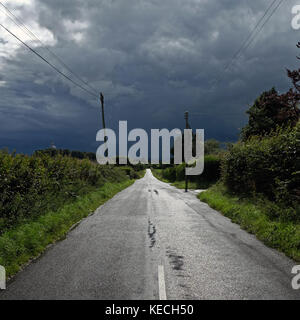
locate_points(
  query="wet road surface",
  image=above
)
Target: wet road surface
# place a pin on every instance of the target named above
(153, 241)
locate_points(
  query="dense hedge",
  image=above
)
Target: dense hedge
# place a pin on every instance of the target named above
(212, 169)
(32, 185)
(269, 165)
(212, 165)
(169, 174)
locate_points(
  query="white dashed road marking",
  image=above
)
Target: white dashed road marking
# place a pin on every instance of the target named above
(161, 283)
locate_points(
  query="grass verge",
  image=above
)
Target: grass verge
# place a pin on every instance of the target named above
(29, 240)
(253, 216)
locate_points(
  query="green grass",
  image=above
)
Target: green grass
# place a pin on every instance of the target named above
(255, 216)
(26, 241)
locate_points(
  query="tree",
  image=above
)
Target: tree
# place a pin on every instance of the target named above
(212, 146)
(295, 76)
(271, 109)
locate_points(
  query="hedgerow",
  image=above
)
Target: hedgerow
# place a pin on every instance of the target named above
(210, 175)
(33, 185)
(269, 166)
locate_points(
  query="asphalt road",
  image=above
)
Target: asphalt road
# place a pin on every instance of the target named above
(153, 241)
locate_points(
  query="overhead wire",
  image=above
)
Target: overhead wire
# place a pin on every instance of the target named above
(49, 63)
(250, 38)
(263, 25)
(25, 29)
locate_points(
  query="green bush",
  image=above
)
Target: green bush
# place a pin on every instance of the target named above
(269, 165)
(180, 172)
(32, 185)
(212, 169)
(210, 175)
(169, 174)
(132, 173)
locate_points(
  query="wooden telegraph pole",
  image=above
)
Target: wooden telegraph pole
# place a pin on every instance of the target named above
(103, 119)
(186, 117)
(102, 106)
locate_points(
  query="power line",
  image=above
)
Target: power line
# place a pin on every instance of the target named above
(22, 26)
(219, 114)
(49, 63)
(252, 35)
(245, 45)
(266, 21)
(216, 115)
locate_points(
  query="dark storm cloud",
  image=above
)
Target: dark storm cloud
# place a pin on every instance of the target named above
(152, 59)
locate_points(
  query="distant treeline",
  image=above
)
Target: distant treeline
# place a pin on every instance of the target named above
(65, 152)
(84, 155)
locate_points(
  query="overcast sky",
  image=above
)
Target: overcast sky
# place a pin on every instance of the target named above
(153, 59)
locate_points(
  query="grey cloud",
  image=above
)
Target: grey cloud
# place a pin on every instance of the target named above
(153, 60)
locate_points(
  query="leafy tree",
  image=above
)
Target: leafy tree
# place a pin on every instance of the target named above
(295, 75)
(271, 109)
(212, 146)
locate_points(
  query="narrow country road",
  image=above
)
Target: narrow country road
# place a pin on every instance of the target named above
(153, 241)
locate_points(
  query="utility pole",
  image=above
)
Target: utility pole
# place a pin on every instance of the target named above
(102, 106)
(186, 117)
(103, 120)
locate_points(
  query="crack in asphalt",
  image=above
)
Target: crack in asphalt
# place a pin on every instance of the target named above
(151, 233)
(176, 260)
